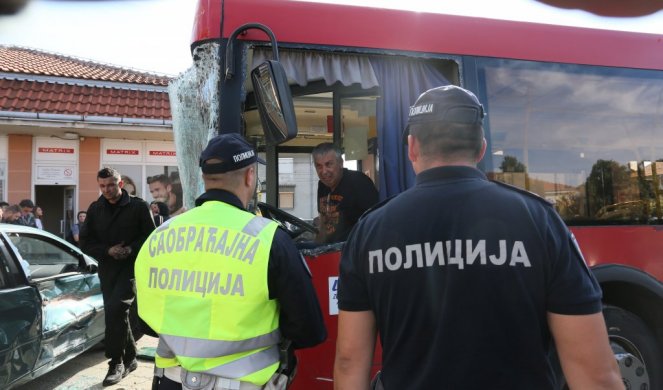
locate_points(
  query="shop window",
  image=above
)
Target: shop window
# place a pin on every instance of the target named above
(164, 185)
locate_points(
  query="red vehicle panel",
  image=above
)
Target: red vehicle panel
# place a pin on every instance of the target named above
(614, 188)
(636, 246)
(316, 365)
(353, 26)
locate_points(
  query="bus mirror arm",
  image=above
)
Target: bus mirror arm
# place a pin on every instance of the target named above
(230, 63)
(277, 113)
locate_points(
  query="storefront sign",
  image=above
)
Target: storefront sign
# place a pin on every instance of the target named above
(49, 149)
(55, 174)
(125, 152)
(121, 151)
(162, 153)
(55, 150)
(168, 153)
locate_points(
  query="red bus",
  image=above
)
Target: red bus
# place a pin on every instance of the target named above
(574, 115)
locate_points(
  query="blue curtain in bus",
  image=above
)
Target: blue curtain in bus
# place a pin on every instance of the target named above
(401, 81)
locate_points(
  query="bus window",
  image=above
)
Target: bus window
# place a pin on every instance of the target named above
(359, 135)
(298, 180)
(585, 138)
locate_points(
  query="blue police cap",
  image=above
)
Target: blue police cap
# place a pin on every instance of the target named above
(233, 151)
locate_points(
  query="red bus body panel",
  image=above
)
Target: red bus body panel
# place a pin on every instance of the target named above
(376, 28)
(316, 365)
(305, 23)
(640, 247)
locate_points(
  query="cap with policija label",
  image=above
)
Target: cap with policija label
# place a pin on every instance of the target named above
(233, 151)
(448, 104)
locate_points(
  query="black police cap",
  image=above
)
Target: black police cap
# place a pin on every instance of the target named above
(233, 151)
(446, 104)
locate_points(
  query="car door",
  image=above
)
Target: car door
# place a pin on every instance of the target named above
(73, 316)
(20, 320)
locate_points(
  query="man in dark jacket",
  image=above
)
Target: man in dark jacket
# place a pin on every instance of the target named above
(117, 224)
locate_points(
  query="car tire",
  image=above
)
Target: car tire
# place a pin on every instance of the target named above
(630, 335)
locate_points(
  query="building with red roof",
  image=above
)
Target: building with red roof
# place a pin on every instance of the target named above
(63, 118)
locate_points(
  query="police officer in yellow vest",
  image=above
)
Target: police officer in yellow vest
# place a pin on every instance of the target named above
(223, 287)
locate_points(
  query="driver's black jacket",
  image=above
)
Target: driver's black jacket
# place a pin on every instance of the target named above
(289, 281)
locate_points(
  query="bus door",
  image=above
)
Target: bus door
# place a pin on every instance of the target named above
(345, 116)
(341, 115)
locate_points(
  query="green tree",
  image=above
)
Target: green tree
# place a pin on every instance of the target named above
(606, 177)
(511, 164)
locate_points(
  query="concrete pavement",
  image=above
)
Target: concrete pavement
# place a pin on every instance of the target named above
(86, 372)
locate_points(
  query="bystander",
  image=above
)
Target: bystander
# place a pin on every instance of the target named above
(115, 228)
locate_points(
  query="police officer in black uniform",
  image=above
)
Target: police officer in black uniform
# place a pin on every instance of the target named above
(466, 280)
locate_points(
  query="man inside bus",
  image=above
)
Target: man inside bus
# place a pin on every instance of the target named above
(343, 195)
(469, 291)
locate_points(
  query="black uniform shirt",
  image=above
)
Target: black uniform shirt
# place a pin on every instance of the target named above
(460, 273)
(288, 281)
(343, 206)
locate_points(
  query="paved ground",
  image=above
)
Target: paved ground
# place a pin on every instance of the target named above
(88, 370)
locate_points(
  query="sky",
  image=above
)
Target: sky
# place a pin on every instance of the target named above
(154, 35)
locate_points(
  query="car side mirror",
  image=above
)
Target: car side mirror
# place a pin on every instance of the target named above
(91, 266)
(272, 92)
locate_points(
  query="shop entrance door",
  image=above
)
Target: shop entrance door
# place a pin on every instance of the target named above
(57, 203)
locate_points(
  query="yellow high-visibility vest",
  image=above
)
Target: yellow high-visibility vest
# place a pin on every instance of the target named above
(201, 282)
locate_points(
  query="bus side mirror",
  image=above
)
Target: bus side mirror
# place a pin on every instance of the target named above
(272, 92)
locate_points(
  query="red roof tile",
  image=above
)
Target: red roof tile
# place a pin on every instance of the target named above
(32, 96)
(30, 61)
(77, 87)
